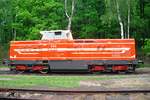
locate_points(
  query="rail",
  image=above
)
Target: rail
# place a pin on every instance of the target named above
(15, 94)
(77, 91)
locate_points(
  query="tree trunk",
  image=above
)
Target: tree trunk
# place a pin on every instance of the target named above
(69, 17)
(14, 32)
(141, 8)
(120, 20)
(128, 33)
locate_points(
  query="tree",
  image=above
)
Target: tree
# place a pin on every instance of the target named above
(33, 16)
(71, 15)
(120, 20)
(129, 12)
(87, 22)
(6, 21)
(23, 19)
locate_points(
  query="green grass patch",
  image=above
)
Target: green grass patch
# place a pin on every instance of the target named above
(4, 66)
(25, 81)
(143, 65)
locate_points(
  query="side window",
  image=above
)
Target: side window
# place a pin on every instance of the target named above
(57, 33)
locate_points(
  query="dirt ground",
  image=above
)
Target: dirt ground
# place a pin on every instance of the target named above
(103, 96)
(138, 80)
(135, 81)
(132, 82)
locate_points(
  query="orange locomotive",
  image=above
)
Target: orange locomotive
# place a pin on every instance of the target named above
(57, 51)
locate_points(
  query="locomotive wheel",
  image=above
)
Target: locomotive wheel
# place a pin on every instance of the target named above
(45, 70)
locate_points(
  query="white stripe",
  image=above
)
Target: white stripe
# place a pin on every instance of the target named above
(71, 49)
(74, 57)
(98, 52)
(36, 51)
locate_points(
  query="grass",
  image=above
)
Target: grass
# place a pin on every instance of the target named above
(4, 66)
(144, 65)
(29, 81)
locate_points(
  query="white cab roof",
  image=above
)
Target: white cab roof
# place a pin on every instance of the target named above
(56, 34)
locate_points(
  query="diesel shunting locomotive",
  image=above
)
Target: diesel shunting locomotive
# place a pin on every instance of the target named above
(58, 51)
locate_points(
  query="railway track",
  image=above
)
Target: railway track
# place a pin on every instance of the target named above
(71, 73)
(8, 72)
(28, 94)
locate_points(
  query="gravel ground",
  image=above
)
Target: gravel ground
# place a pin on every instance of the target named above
(108, 96)
(131, 81)
(138, 80)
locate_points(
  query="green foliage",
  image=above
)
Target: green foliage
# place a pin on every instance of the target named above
(23, 19)
(86, 20)
(146, 47)
(44, 15)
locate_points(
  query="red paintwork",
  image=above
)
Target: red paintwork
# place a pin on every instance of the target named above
(119, 68)
(79, 49)
(21, 67)
(98, 68)
(37, 67)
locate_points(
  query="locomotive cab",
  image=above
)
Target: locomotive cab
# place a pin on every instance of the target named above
(56, 34)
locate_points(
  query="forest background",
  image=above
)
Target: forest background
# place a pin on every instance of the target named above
(24, 19)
